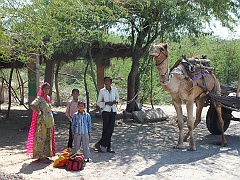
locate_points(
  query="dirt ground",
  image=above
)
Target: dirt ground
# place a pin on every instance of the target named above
(143, 151)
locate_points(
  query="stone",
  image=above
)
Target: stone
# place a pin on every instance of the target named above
(153, 115)
(139, 116)
(150, 115)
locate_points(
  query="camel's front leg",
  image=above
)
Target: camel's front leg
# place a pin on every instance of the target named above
(200, 105)
(189, 105)
(178, 108)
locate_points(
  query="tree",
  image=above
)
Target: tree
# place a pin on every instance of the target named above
(145, 21)
(59, 27)
(57, 30)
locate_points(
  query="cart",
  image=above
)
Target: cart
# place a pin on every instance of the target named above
(229, 104)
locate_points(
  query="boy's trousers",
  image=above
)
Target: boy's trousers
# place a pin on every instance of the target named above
(84, 139)
(70, 140)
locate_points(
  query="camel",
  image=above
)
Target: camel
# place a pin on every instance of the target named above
(238, 88)
(183, 88)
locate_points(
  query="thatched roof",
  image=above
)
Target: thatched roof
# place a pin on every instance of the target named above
(101, 53)
(10, 64)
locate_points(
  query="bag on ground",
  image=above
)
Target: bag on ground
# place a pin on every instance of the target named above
(75, 162)
(62, 158)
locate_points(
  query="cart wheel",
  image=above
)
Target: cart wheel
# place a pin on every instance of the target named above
(212, 121)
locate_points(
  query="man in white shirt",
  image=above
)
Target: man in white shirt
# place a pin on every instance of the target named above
(107, 101)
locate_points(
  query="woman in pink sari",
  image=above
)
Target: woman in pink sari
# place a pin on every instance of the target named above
(41, 140)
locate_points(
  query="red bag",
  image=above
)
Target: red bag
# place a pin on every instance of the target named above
(75, 162)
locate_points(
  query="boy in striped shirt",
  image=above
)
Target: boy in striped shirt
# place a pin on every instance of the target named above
(81, 130)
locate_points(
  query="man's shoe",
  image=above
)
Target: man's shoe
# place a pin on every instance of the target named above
(98, 148)
(110, 151)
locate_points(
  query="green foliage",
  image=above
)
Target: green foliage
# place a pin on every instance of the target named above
(119, 70)
(71, 75)
(59, 27)
(56, 26)
(220, 52)
(227, 60)
(149, 85)
(224, 55)
(171, 20)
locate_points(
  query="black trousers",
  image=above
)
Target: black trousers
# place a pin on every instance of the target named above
(108, 128)
(70, 139)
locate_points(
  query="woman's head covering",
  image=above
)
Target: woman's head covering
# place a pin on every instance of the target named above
(40, 92)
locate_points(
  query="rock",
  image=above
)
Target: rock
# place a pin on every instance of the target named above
(139, 116)
(127, 115)
(153, 115)
(150, 115)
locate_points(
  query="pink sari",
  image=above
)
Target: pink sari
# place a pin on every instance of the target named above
(32, 130)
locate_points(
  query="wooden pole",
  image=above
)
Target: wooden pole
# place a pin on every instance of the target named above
(100, 76)
(33, 82)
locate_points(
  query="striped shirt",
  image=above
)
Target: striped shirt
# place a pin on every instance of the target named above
(81, 123)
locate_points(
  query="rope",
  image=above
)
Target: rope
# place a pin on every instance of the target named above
(128, 102)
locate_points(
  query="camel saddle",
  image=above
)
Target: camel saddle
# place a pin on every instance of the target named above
(196, 68)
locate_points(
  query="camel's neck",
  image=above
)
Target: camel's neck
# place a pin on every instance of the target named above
(162, 68)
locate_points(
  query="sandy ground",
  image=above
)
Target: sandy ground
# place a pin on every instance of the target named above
(143, 151)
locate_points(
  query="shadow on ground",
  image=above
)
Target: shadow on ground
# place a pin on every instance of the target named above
(152, 142)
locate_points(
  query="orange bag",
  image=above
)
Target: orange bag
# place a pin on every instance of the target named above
(62, 158)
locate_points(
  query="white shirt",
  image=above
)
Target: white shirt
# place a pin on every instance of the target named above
(106, 96)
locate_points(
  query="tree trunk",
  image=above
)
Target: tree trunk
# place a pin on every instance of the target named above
(92, 74)
(33, 83)
(9, 92)
(56, 84)
(49, 73)
(85, 85)
(21, 87)
(131, 96)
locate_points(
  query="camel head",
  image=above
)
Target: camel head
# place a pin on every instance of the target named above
(158, 50)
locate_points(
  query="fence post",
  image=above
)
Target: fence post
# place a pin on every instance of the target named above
(33, 82)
